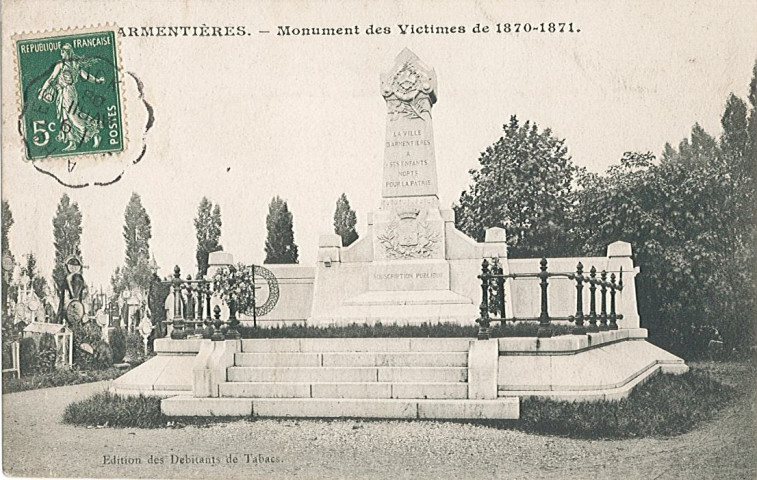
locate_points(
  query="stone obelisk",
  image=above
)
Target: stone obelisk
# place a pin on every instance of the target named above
(409, 90)
(408, 245)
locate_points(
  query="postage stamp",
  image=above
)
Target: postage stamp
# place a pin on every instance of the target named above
(70, 91)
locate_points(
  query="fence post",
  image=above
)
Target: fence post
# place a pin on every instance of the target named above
(232, 333)
(484, 321)
(593, 300)
(189, 312)
(200, 299)
(208, 294)
(578, 328)
(603, 314)
(254, 299)
(613, 316)
(545, 327)
(178, 332)
(500, 290)
(218, 335)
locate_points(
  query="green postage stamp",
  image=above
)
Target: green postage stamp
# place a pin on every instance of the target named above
(70, 94)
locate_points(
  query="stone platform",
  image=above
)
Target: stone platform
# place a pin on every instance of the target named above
(343, 408)
(444, 378)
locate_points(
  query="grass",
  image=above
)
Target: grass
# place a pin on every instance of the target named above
(57, 378)
(666, 405)
(443, 330)
(114, 410)
(126, 411)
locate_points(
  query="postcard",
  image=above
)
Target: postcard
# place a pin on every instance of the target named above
(330, 239)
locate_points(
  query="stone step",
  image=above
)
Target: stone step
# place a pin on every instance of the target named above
(372, 345)
(277, 359)
(347, 374)
(352, 359)
(343, 390)
(423, 374)
(302, 374)
(507, 408)
(400, 359)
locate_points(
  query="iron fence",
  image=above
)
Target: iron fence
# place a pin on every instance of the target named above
(492, 307)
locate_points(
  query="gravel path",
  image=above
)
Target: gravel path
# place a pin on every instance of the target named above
(37, 444)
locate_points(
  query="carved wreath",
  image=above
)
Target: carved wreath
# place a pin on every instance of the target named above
(406, 86)
(428, 238)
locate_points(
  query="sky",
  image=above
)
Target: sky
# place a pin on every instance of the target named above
(241, 119)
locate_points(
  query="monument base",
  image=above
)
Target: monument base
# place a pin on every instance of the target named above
(400, 307)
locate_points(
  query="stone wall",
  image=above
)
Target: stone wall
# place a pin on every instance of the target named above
(295, 296)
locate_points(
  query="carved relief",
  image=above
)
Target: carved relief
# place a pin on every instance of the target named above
(408, 237)
(409, 88)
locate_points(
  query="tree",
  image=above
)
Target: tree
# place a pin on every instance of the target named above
(345, 221)
(752, 127)
(691, 221)
(136, 271)
(280, 246)
(67, 238)
(7, 277)
(524, 185)
(7, 217)
(208, 230)
(137, 232)
(38, 283)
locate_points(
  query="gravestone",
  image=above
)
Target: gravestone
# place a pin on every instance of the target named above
(413, 265)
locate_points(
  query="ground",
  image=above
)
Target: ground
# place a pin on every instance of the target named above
(35, 443)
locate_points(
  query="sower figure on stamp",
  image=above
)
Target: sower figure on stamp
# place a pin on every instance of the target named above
(76, 127)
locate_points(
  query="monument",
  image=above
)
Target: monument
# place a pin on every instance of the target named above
(412, 266)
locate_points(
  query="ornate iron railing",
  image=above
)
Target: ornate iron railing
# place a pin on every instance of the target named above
(191, 313)
(492, 308)
(191, 310)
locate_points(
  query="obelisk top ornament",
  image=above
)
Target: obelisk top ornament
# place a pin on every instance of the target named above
(409, 90)
(410, 87)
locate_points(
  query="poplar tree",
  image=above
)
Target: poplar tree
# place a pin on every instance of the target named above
(208, 231)
(67, 237)
(7, 277)
(279, 245)
(137, 233)
(345, 221)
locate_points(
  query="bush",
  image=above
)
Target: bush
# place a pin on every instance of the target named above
(102, 356)
(666, 405)
(114, 410)
(443, 330)
(118, 344)
(135, 349)
(28, 356)
(47, 354)
(89, 334)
